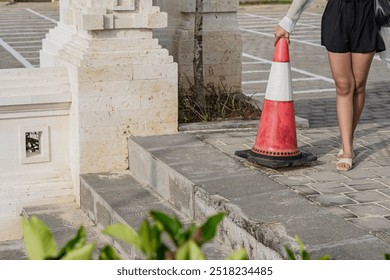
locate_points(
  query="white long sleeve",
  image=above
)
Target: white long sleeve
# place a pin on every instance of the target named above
(293, 14)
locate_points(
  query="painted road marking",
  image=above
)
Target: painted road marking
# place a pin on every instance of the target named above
(20, 31)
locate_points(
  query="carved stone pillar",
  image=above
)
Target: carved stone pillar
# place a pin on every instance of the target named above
(123, 82)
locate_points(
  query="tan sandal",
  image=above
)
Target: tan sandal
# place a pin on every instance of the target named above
(347, 164)
(341, 152)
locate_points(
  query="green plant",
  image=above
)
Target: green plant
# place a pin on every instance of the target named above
(387, 257)
(303, 254)
(40, 244)
(185, 242)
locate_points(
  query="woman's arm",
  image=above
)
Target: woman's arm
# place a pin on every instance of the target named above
(294, 12)
(287, 24)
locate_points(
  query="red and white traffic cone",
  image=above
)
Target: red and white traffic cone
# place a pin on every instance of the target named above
(276, 141)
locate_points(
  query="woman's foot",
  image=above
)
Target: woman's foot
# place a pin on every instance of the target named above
(344, 164)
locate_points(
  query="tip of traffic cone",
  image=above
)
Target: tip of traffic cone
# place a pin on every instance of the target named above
(281, 53)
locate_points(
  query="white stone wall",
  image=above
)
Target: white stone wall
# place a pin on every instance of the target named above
(34, 103)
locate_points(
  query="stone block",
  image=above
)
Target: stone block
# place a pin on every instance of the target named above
(157, 20)
(92, 22)
(104, 102)
(150, 72)
(106, 73)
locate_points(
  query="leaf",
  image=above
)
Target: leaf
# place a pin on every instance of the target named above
(189, 232)
(190, 251)
(150, 238)
(171, 225)
(209, 228)
(387, 257)
(290, 254)
(325, 257)
(83, 253)
(304, 254)
(238, 255)
(108, 253)
(78, 241)
(125, 233)
(38, 239)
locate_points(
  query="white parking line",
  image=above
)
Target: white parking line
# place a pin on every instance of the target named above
(15, 54)
(40, 15)
(277, 19)
(255, 71)
(319, 77)
(294, 80)
(297, 92)
(251, 62)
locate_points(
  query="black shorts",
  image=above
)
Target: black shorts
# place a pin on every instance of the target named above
(349, 26)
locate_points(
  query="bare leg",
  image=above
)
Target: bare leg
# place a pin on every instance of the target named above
(350, 72)
(341, 67)
(361, 63)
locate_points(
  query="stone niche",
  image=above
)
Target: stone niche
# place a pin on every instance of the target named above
(222, 44)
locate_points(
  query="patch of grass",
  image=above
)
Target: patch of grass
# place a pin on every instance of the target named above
(222, 104)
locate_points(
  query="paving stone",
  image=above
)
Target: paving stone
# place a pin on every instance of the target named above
(382, 161)
(341, 212)
(386, 191)
(367, 196)
(234, 140)
(364, 185)
(372, 223)
(327, 176)
(329, 188)
(358, 173)
(370, 209)
(292, 180)
(305, 190)
(384, 181)
(385, 204)
(333, 200)
(363, 163)
(382, 171)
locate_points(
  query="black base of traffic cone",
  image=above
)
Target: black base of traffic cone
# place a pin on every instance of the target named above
(277, 162)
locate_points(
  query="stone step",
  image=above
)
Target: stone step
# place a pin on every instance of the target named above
(110, 198)
(25, 95)
(12, 250)
(63, 219)
(190, 175)
(34, 86)
(41, 188)
(18, 74)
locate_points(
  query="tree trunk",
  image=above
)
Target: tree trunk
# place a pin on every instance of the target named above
(198, 55)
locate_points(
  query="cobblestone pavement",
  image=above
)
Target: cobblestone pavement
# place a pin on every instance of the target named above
(361, 196)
